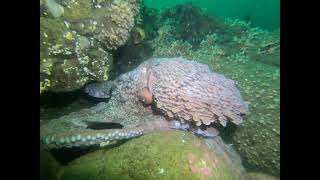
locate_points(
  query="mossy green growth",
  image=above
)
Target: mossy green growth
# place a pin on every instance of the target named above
(42, 2)
(164, 45)
(49, 167)
(51, 33)
(159, 155)
(259, 176)
(52, 30)
(68, 60)
(77, 10)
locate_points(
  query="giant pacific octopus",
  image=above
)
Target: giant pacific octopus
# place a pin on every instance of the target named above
(159, 94)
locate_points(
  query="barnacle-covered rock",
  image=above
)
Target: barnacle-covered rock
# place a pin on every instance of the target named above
(69, 60)
(74, 37)
(49, 167)
(76, 10)
(111, 23)
(134, 5)
(68, 10)
(159, 155)
(172, 49)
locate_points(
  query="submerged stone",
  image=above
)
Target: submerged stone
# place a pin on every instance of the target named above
(160, 155)
(49, 167)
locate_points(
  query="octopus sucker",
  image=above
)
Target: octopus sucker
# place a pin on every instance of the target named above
(181, 90)
(90, 137)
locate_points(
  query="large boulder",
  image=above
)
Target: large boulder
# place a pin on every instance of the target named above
(160, 155)
(77, 39)
(69, 60)
(49, 167)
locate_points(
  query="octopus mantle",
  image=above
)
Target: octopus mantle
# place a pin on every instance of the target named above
(159, 94)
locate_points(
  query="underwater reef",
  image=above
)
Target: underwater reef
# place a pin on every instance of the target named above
(234, 54)
(78, 38)
(191, 24)
(228, 36)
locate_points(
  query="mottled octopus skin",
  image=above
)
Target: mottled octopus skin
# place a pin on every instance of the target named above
(190, 91)
(181, 89)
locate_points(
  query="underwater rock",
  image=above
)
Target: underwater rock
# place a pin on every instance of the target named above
(51, 9)
(229, 36)
(111, 22)
(167, 48)
(190, 23)
(159, 155)
(74, 37)
(76, 11)
(227, 153)
(258, 176)
(258, 44)
(49, 167)
(68, 60)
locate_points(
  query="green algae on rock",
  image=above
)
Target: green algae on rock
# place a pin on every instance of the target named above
(191, 24)
(77, 10)
(233, 36)
(69, 60)
(159, 155)
(49, 167)
(77, 38)
(258, 176)
(110, 22)
(51, 8)
(260, 45)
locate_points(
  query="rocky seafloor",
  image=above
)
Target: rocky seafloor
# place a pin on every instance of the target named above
(249, 56)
